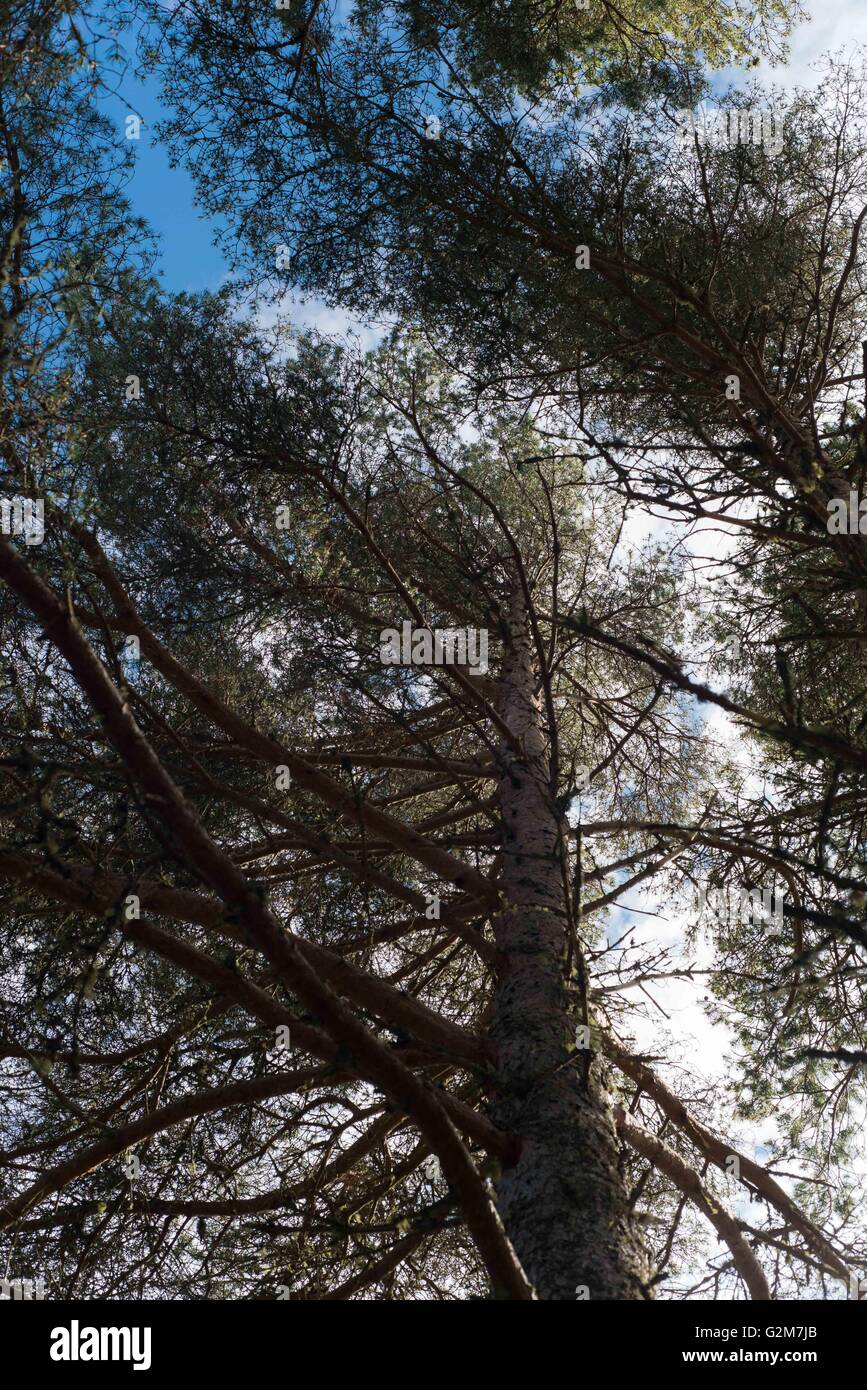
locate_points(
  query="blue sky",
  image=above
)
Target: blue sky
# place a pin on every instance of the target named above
(189, 260)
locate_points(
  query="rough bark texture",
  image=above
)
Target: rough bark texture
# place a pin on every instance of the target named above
(564, 1203)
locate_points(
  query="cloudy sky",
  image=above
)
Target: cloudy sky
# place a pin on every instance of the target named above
(835, 26)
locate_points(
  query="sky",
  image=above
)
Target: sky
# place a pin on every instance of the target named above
(189, 261)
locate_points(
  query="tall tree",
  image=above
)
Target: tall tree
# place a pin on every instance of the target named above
(382, 846)
(251, 805)
(692, 307)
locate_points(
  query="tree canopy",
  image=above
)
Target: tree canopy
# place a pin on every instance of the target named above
(348, 719)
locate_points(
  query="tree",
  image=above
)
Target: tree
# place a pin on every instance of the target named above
(407, 822)
(339, 717)
(543, 47)
(691, 305)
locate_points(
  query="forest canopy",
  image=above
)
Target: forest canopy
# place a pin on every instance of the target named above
(433, 772)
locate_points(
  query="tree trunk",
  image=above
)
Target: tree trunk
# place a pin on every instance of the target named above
(564, 1203)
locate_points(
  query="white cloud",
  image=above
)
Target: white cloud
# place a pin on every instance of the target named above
(314, 314)
(834, 26)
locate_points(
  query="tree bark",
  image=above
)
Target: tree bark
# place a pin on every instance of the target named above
(564, 1203)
